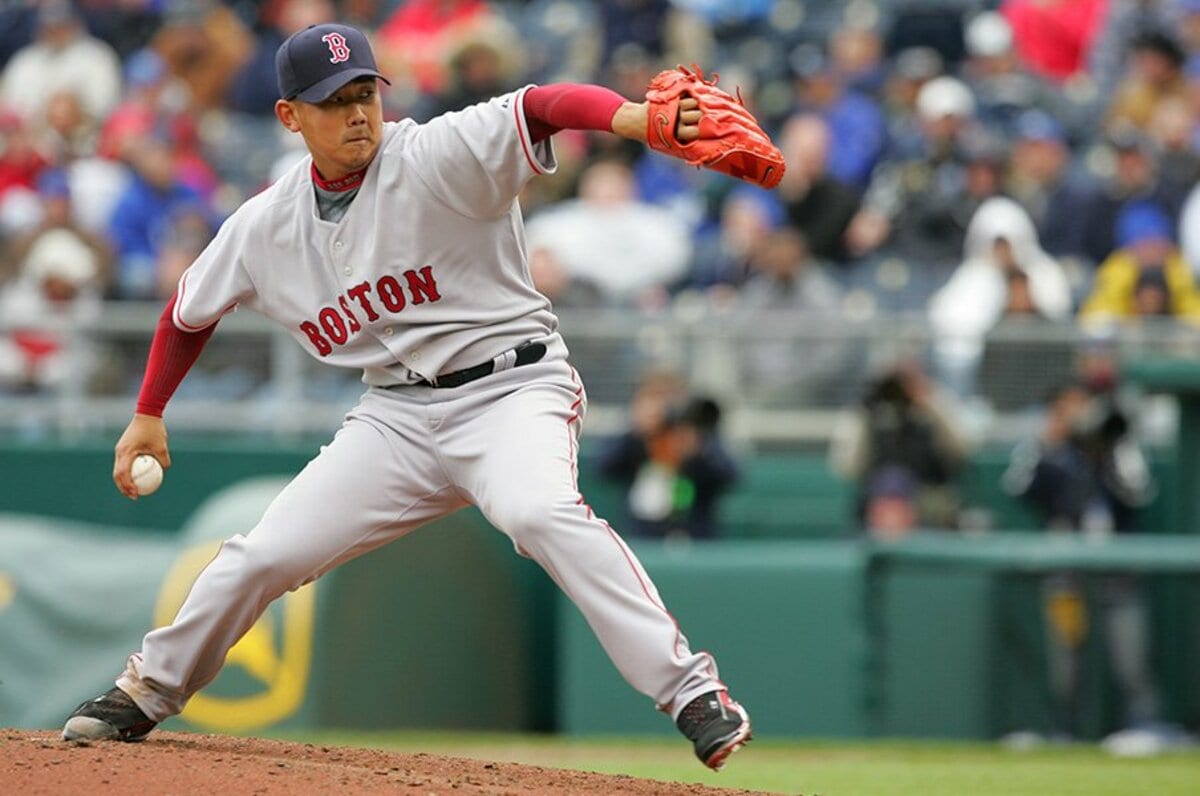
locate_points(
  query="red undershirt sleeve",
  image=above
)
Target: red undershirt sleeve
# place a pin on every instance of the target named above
(172, 354)
(569, 106)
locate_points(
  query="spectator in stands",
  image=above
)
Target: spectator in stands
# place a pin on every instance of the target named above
(65, 132)
(143, 215)
(1172, 129)
(631, 250)
(1123, 22)
(54, 190)
(1004, 274)
(858, 128)
(786, 284)
(856, 55)
(55, 291)
(1147, 277)
(1086, 473)
(665, 32)
(559, 41)
(918, 209)
(188, 230)
(414, 42)
(998, 80)
(903, 446)
(127, 25)
(96, 185)
(1041, 180)
(62, 58)
(1154, 73)
(485, 63)
(817, 204)
(155, 105)
(723, 256)
(254, 89)
(783, 276)
(911, 69)
(149, 101)
(204, 44)
(20, 164)
(1135, 177)
(1172, 135)
(912, 205)
(671, 461)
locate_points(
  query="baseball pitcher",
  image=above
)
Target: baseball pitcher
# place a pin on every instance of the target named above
(398, 249)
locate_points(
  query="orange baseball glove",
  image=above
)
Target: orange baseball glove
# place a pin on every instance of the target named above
(731, 140)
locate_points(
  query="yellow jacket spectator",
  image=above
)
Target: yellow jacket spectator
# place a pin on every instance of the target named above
(1147, 276)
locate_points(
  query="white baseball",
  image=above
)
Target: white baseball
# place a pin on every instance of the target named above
(147, 474)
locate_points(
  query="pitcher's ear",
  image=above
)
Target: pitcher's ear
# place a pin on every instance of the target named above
(285, 112)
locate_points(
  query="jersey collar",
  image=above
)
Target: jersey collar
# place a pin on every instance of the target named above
(350, 181)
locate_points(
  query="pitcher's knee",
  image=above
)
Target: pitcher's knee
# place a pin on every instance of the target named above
(528, 519)
(256, 567)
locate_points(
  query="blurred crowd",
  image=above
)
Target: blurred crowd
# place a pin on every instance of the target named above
(975, 160)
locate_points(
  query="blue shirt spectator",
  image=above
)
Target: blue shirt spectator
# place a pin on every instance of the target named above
(857, 124)
(143, 216)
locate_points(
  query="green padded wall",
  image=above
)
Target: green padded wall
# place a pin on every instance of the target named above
(784, 622)
(934, 651)
(444, 629)
(37, 475)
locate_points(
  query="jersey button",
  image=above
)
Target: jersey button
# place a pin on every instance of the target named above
(349, 270)
(416, 354)
(337, 244)
(388, 331)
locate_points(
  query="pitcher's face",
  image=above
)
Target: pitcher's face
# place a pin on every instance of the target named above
(343, 132)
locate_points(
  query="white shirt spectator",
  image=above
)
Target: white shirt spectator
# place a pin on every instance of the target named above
(40, 309)
(63, 58)
(976, 297)
(606, 237)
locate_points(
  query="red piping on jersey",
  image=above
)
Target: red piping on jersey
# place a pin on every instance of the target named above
(351, 180)
(177, 300)
(533, 164)
(613, 534)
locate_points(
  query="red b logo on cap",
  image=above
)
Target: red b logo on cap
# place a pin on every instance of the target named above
(338, 49)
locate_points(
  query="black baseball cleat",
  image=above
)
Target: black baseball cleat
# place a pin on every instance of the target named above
(717, 726)
(112, 716)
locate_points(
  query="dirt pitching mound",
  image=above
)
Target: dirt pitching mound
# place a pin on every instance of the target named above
(41, 763)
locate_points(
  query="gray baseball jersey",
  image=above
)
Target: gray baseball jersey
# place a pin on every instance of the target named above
(424, 274)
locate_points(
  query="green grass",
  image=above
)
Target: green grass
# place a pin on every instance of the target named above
(826, 768)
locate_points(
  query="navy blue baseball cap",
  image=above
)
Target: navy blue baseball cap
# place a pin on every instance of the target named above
(315, 62)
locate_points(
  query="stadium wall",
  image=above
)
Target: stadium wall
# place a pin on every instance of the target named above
(449, 629)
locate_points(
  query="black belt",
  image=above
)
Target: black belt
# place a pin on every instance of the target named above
(526, 354)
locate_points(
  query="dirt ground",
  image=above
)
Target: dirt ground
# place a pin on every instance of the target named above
(38, 762)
